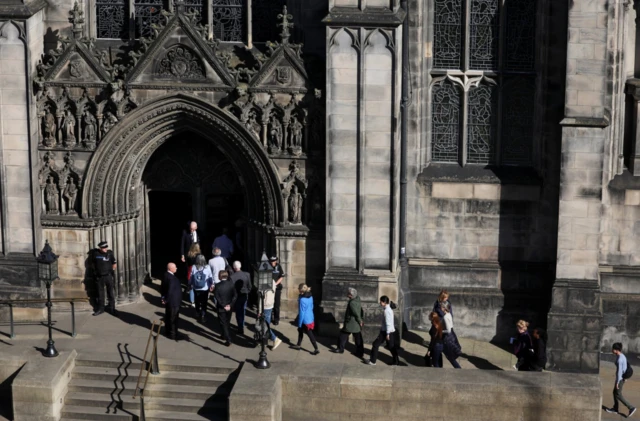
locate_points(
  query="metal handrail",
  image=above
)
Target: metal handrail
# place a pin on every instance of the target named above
(152, 368)
(72, 301)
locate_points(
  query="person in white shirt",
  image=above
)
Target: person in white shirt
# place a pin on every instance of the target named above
(225, 244)
(217, 264)
(448, 337)
(387, 332)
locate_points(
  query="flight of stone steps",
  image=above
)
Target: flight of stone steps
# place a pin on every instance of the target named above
(102, 390)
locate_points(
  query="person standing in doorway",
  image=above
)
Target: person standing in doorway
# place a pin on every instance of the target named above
(104, 265)
(522, 346)
(242, 283)
(278, 277)
(189, 237)
(225, 244)
(306, 321)
(352, 324)
(201, 281)
(194, 251)
(387, 332)
(623, 372)
(225, 297)
(171, 293)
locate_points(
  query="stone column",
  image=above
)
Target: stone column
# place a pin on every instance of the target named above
(291, 250)
(574, 322)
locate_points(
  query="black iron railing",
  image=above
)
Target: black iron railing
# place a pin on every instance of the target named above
(152, 367)
(22, 303)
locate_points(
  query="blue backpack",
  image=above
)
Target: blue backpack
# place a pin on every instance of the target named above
(199, 279)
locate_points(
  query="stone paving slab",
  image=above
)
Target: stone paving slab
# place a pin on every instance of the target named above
(108, 337)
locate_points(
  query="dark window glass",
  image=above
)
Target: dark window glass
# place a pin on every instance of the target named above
(229, 20)
(517, 120)
(264, 16)
(147, 13)
(111, 19)
(520, 35)
(447, 27)
(484, 34)
(197, 6)
(446, 121)
(483, 107)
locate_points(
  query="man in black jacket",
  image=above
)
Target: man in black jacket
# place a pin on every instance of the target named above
(171, 292)
(225, 296)
(189, 237)
(242, 282)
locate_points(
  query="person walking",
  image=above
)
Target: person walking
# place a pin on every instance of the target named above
(539, 359)
(242, 283)
(189, 237)
(436, 346)
(522, 346)
(353, 322)
(269, 298)
(194, 251)
(224, 243)
(201, 280)
(451, 347)
(306, 321)
(278, 277)
(217, 264)
(171, 293)
(387, 332)
(443, 300)
(225, 297)
(623, 372)
(104, 264)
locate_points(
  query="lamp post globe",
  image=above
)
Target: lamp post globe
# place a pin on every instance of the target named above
(47, 273)
(263, 274)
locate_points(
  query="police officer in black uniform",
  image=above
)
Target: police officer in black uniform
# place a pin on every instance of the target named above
(104, 265)
(278, 277)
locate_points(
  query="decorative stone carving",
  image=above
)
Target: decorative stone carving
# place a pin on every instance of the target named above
(283, 75)
(294, 191)
(295, 206)
(109, 120)
(49, 129)
(68, 129)
(180, 62)
(51, 197)
(70, 194)
(296, 137)
(77, 69)
(275, 135)
(90, 124)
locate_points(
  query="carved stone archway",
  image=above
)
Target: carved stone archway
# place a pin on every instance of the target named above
(113, 190)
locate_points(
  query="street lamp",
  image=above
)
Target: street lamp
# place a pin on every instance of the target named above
(48, 272)
(263, 273)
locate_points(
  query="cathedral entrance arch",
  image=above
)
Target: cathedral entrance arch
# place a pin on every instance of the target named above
(125, 168)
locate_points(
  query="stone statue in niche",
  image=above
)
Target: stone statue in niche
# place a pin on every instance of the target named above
(275, 134)
(70, 194)
(296, 133)
(251, 123)
(49, 125)
(109, 121)
(295, 206)
(68, 128)
(51, 197)
(89, 129)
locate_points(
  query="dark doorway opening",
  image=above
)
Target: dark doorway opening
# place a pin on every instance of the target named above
(169, 212)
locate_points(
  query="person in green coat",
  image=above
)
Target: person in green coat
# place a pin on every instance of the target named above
(352, 324)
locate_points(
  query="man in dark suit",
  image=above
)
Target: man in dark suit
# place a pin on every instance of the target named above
(189, 237)
(225, 295)
(171, 297)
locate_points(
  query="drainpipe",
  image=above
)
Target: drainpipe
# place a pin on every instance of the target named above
(404, 116)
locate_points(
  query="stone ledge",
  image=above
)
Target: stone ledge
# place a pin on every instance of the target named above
(435, 172)
(348, 16)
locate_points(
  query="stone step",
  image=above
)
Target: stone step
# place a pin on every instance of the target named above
(167, 377)
(128, 403)
(126, 389)
(113, 361)
(70, 413)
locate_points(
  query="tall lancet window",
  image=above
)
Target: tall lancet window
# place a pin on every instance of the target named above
(483, 81)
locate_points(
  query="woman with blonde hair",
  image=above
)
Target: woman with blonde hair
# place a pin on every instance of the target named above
(305, 317)
(443, 300)
(522, 346)
(194, 251)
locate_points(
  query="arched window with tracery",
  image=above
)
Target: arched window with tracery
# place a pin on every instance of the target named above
(483, 81)
(229, 20)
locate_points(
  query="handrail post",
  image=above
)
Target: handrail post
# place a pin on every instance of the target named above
(73, 320)
(143, 417)
(155, 368)
(13, 332)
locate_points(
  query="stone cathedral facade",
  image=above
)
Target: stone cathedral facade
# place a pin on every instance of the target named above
(506, 174)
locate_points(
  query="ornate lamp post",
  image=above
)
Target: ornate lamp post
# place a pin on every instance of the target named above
(263, 273)
(48, 272)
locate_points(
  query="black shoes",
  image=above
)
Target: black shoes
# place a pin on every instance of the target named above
(241, 332)
(316, 352)
(276, 323)
(296, 347)
(631, 412)
(227, 344)
(99, 312)
(337, 351)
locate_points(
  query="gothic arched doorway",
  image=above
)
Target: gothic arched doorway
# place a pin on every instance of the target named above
(190, 179)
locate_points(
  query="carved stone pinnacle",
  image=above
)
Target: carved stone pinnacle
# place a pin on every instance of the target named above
(76, 17)
(285, 25)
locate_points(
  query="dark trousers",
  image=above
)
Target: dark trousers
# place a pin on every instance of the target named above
(436, 354)
(617, 396)
(241, 307)
(201, 303)
(357, 337)
(312, 338)
(382, 337)
(225, 321)
(276, 305)
(171, 316)
(106, 282)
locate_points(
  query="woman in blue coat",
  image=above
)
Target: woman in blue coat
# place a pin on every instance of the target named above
(305, 317)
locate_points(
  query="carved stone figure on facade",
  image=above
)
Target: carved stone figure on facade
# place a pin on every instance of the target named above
(68, 128)
(109, 121)
(275, 135)
(296, 136)
(295, 206)
(49, 125)
(70, 194)
(51, 197)
(251, 123)
(89, 129)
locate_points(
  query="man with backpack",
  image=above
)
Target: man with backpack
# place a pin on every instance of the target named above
(623, 372)
(201, 281)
